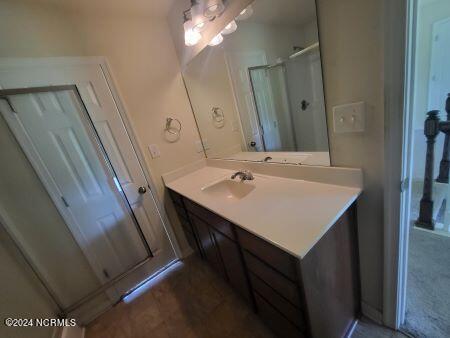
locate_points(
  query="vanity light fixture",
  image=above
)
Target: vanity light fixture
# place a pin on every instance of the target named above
(212, 8)
(216, 40)
(230, 28)
(199, 20)
(245, 13)
(191, 37)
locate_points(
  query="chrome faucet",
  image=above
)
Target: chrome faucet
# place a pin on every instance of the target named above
(244, 175)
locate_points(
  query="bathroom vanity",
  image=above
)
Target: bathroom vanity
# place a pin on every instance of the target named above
(287, 245)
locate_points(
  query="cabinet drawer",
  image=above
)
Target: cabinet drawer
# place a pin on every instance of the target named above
(294, 314)
(270, 254)
(276, 321)
(217, 222)
(277, 281)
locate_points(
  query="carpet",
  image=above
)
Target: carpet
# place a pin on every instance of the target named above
(428, 288)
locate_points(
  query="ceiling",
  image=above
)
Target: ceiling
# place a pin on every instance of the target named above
(150, 8)
(283, 12)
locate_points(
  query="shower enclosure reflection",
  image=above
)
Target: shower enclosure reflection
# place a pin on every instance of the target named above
(289, 104)
(266, 79)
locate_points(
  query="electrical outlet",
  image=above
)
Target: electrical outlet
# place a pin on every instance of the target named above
(154, 150)
(349, 118)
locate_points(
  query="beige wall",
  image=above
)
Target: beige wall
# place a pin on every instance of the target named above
(31, 29)
(28, 29)
(352, 55)
(21, 295)
(428, 12)
(209, 85)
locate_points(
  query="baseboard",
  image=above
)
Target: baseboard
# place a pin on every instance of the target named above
(72, 332)
(372, 313)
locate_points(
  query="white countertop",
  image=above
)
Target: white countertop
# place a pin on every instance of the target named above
(292, 214)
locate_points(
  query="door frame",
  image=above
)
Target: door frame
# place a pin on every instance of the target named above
(399, 37)
(18, 64)
(12, 63)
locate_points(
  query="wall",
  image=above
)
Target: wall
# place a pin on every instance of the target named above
(352, 56)
(22, 293)
(209, 86)
(20, 289)
(428, 12)
(34, 29)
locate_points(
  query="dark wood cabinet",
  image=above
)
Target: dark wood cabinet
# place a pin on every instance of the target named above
(317, 296)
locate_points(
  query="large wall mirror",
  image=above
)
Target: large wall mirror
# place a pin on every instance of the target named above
(258, 94)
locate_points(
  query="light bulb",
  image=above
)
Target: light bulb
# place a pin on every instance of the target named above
(230, 28)
(216, 40)
(191, 37)
(213, 8)
(245, 13)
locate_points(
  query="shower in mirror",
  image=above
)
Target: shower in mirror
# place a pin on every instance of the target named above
(266, 78)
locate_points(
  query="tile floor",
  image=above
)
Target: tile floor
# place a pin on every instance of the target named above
(189, 300)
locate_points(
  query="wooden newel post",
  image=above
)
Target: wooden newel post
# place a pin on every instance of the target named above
(445, 161)
(431, 130)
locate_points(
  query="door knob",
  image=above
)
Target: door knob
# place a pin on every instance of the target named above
(253, 144)
(142, 190)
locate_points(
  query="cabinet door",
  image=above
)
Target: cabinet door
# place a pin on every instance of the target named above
(207, 244)
(233, 264)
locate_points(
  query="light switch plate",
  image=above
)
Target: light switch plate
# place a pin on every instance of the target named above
(349, 118)
(154, 150)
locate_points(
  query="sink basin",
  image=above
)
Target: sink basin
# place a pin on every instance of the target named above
(229, 189)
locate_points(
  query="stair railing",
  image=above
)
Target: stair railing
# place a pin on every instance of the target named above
(432, 127)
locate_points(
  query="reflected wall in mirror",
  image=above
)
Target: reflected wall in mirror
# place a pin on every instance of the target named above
(258, 95)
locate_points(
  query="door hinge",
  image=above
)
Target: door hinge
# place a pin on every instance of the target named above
(404, 184)
(64, 201)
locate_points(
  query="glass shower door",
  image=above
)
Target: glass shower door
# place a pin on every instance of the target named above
(60, 198)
